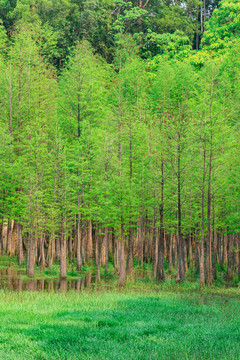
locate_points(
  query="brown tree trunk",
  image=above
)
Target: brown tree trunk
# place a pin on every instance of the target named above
(1, 236)
(51, 250)
(79, 259)
(130, 253)
(70, 247)
(83, 242)
(201, 260)
(89, 241)
(235, 255)
(170, 252)
(57, 247)
(230, 258)
(107, 250)
(103, 248)
(238, 257)
(214, 270)
(97, 255)
(63, 259)
(116, 253)
(180, 269)
(9, 238)
(154, 249)
(190, 264)
(140, 244)
(122, 273)
(31, 255)
(20, 245)
(41, 259)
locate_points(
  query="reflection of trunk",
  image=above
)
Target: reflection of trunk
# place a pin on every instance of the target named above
(63, 285)
(88, 280)
(20, 245)
(97, 255)
(63, 259)
(31, 255)
(121, 281)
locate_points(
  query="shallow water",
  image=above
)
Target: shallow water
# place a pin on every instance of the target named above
(11, 279)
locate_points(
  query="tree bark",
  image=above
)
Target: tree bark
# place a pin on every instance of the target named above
(122, 273)
(31, 255)
(97, 256)
(63, 259)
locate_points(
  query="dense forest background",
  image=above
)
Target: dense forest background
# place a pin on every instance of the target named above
(120, 135)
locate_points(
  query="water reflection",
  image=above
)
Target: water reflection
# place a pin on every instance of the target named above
(10, 279)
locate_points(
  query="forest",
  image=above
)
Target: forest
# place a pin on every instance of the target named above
(120, 179)
(121, 150)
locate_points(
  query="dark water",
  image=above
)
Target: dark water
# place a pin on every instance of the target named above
(11, 279)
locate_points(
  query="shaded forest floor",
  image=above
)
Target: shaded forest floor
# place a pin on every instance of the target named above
(157, 323)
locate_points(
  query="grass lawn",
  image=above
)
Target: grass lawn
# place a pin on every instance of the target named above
(139, 322)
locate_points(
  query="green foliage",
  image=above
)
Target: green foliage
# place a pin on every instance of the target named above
(223, 27)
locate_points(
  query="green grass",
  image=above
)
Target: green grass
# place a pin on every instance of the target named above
(139, 322)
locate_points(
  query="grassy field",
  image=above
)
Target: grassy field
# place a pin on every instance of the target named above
(150, 322)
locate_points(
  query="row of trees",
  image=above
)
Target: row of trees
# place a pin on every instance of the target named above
(124, 161)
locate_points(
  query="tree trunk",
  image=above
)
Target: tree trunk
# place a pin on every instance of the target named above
(107, 250)
(140, 244)
(160, 276)
(170, 252)
(70, 247)
(97, 256)
(154, 249)
(122, 273)
(63, 259)
(230, 258)
(58, 250)
(103, 248)
(83, 242)
(180, 270)
(79, 259)
(31, 255)
(1, 237)
(130, 253)
(89, 241)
